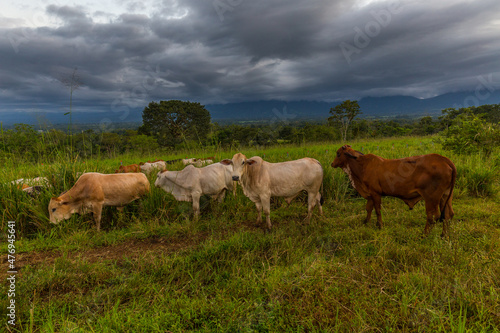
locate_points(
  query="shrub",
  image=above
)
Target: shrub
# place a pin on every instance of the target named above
(469, 133)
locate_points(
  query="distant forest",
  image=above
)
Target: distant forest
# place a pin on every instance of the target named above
(25, 142)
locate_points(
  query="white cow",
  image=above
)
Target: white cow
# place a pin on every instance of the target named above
(40, 181)
(187, 161)
(197, 161)
(191, 183)
(148, 167)
(262, 180)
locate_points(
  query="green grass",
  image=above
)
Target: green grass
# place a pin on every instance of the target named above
(155, 269)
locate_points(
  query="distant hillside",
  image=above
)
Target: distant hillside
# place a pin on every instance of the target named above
(370, 106)
(273, 110)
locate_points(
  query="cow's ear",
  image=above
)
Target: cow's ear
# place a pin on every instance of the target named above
(64, 203)
(344, 147)
(351, 155)
(56, 199)
(250, 162)
(226, 162)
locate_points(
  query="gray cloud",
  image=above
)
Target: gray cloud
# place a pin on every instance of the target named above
(234, 50)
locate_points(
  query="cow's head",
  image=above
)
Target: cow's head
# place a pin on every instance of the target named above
(239, 163)
(159, 178)
(343, 155)
(59, 210)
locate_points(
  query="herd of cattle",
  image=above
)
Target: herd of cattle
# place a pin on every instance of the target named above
(158, 165)
(429, 177)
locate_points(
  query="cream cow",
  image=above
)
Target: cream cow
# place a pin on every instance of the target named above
(92, 191)
(262, 180)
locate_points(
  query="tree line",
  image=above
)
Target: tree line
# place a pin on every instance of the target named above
(173, 125)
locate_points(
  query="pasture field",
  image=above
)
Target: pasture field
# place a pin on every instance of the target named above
(153, 268)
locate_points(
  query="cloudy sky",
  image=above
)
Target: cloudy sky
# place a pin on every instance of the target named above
(128, 53)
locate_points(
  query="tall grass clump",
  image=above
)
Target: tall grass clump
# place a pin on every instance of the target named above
(478, 176)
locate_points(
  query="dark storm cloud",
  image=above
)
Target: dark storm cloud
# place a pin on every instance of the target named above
(236, 50)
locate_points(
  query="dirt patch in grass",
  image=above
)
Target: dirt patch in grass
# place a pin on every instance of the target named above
(131, 249)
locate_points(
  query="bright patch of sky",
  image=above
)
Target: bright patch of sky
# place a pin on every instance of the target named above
(33, 14)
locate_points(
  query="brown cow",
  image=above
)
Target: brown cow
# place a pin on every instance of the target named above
(128, 168)
(429, 177)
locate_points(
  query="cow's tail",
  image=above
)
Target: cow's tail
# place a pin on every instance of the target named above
(321, 200)
(453, 179)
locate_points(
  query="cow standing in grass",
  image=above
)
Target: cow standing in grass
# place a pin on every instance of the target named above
(191, 183)
(92, 191)
(262, 180)
(429, 177)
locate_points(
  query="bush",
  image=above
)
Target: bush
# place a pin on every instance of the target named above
(469, 133)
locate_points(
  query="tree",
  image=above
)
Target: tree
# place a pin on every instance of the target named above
(343, 115)
(173, 122)
(425, 126)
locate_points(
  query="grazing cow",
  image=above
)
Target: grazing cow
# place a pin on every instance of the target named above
(128, 168)
(32, 186)
(191, 183)
(23, 183)
(148, 167)
(198, 161)
(92, 191)
(33, 191)
(429, 177)
(187, 161)
(262, 180)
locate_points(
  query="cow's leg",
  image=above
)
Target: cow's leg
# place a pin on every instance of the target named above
(369, 209)
(377, 203)
(196, 205)
(221, 195)
(312, 200)
(266, 206)
(318, 203)
(432, 210)
(97, 211)
(258, 205)
(448, 213)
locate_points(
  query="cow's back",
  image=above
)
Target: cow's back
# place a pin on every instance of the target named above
(214, 178)
(112, 189)
(401, 177)
(286, 178)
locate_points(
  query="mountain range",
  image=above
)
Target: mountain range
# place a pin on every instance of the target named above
(275, 110)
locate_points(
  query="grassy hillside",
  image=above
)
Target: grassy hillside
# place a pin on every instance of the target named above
(155, 269)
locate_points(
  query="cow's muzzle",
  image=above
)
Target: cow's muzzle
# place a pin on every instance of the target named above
(236, 178)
